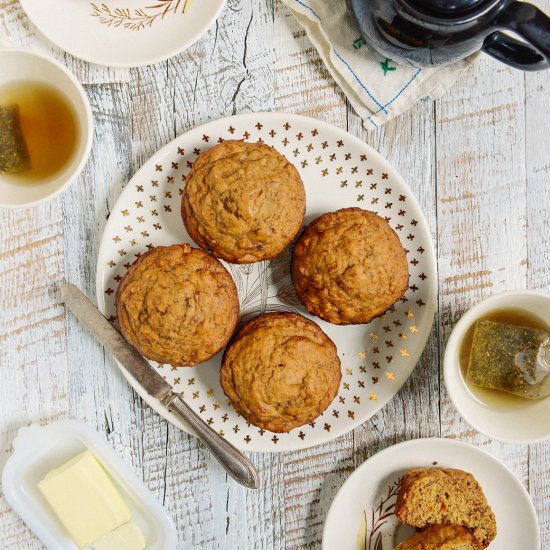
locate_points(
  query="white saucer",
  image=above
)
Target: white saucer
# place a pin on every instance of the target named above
(123, 33)
(362, 514)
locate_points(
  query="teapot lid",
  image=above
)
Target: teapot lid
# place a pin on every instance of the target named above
(448, 7)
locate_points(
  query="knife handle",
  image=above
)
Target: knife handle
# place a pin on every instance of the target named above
(238, 466)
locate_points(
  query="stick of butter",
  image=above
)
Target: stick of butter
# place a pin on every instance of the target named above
(84, 499)
(126, 537)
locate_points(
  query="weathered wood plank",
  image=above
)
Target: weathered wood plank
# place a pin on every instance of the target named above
(481, 211)
(34, 378)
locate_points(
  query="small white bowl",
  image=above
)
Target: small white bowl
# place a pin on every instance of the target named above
(528, 422)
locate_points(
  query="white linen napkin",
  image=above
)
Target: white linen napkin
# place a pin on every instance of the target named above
(378, 88)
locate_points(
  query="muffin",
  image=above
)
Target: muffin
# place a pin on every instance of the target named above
(281, 371)
(349, 267)
(243, 201)
(177, 305)
(438, 496)
(442, 537)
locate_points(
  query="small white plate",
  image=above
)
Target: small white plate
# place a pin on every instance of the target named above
(362, 515)
(39, 449)
(338, 171)
(123, 33)
(526, 421)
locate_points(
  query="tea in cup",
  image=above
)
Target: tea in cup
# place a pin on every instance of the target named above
(46, 128)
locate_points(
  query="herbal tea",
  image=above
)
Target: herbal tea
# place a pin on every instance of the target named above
(491, 397)
(43, 128)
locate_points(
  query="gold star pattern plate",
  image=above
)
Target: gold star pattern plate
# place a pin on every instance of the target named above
(338, 171)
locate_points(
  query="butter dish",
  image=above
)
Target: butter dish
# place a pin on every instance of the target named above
(39, 449)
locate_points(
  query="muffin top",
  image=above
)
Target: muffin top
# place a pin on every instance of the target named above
(243, 201)
(281, 371)
(349, 267)
(177, 305)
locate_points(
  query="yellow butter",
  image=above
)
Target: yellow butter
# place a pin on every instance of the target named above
(126, 537)
(84, 498)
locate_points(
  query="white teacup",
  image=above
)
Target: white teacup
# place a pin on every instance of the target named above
(20, 64)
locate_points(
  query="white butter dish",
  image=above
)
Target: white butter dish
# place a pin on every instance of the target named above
(38, 449)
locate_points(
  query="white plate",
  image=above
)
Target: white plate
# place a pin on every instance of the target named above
(123, 33)
(338, 170)
(372, 490)
(38, 449)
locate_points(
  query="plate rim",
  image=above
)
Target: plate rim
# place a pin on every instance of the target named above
(421, 441)
(278, 115)
(121, 64)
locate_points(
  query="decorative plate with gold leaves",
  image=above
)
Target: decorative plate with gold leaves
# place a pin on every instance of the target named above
(338, 171)
(123, 33)
(362, 514)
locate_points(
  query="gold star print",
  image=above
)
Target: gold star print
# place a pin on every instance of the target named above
(390, 375)
(210, 393)
(349, 372)
(403, 336)
(125, 212)
(191, 381)
(362, 355)
(413, 328)
(177, 380)
(374, 336)
(195, 395)
(373, 396)
(351, 415)
(404, 352)
(111, 263)
(217, 405)
(222, 433)
(133, 242)
(410, 313)
(117, 239)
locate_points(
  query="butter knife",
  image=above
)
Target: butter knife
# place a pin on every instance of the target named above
(238, 466)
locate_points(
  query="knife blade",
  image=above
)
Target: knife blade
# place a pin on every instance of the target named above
(238, 466)
(88, 314)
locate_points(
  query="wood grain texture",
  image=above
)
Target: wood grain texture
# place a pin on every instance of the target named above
(478, 160)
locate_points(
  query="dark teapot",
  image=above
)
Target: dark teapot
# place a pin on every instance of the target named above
(428, 33)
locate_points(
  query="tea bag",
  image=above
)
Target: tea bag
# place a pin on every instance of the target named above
(14, 156)
(510, 358)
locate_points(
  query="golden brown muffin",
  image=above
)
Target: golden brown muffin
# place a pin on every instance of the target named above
(177, 305)
(349, 267)
(281, 371)
(442, 537)
(243, 201)
(433, 496)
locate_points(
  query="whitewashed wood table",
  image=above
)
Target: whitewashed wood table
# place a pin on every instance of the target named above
(478, 160)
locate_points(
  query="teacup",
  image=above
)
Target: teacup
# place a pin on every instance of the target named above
(21, 64)
(526, 421)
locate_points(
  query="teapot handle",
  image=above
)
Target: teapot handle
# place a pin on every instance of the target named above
(533, 26)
